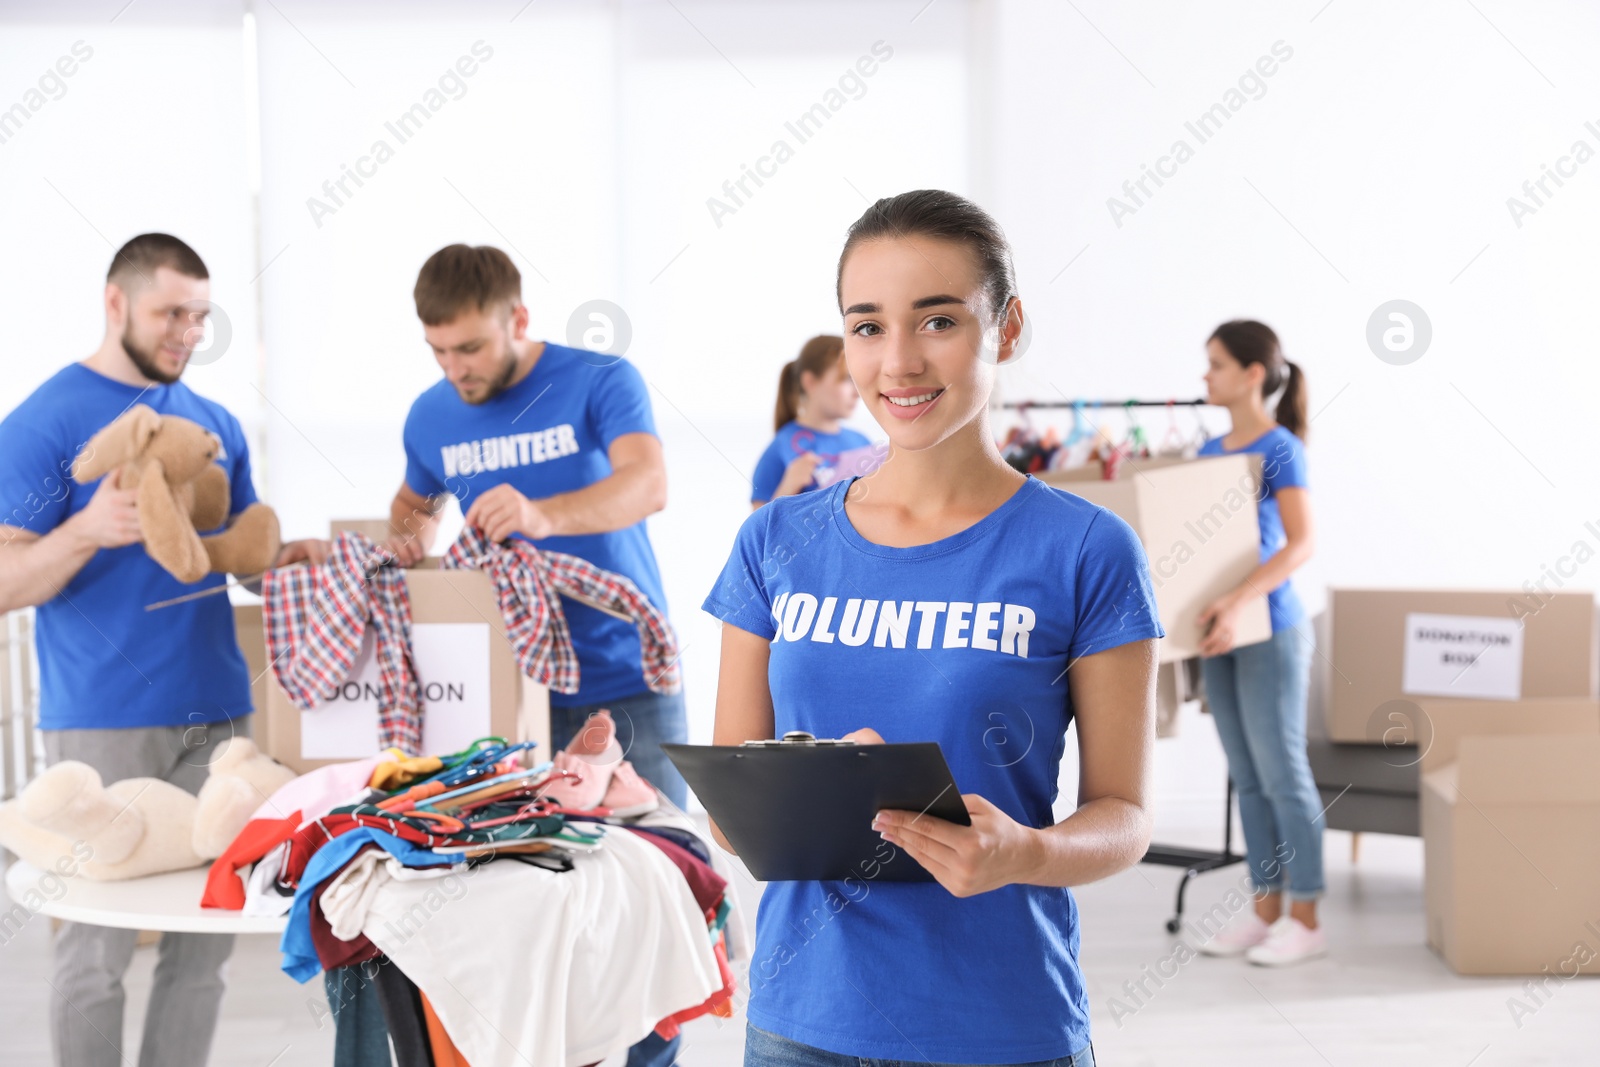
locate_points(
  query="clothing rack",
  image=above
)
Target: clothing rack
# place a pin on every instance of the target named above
(1196, 861)
(1020, 404)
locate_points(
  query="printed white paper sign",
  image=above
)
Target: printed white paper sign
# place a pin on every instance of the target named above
(1463, 656)
(453, 670)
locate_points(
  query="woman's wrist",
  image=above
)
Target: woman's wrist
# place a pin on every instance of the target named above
(1038, 855)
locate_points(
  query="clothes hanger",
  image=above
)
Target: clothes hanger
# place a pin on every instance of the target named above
(480, 762)
(1139, 445)
(1173, 440)
(1080, 426)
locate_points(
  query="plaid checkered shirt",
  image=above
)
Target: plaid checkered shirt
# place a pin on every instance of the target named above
(315, 619)
(528, 583)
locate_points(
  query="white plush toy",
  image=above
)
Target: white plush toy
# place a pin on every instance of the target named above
(137, 826)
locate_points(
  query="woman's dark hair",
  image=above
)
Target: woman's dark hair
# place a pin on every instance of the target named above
(936, 213)
(1251, 342)
(819, 356)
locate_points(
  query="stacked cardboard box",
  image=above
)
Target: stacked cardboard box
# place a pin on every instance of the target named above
(1510, 821)
(1394, 647)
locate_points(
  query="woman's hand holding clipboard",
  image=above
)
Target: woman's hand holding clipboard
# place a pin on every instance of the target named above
(995, 850)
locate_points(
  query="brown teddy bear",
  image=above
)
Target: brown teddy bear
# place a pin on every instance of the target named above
(169, 460)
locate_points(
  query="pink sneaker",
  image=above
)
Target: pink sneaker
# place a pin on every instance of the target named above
(1244, 932)
(594, 754)
(1289, 941)
(629, 795)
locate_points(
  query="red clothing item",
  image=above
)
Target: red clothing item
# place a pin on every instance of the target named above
(332, 952)
(224, 887)
(318, 832)
(719, 1003)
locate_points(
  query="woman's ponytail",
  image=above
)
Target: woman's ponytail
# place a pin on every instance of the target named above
(1250, 342)
(1292, 405)
(817, 356)
(788, 395)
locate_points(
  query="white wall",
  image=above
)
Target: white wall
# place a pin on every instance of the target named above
(1376, 166)
(123, 146)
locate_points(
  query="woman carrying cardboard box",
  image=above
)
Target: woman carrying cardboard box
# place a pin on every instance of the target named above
(1257, 693)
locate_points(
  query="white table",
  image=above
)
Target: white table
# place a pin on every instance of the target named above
(161, 902)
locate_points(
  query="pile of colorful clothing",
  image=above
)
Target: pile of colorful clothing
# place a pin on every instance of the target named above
(555, 914)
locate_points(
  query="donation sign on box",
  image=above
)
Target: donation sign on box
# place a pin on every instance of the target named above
(452, 661)
(1462, 656)
(472, 684)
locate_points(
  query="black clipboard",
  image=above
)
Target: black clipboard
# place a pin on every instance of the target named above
(802, 811)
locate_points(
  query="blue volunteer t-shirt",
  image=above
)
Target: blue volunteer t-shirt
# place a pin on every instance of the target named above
(792, 442)
(1283, 466)
(549, 434)
(967, 642)
(104, 661)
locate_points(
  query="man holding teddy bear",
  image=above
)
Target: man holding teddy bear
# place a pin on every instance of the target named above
(129, 694)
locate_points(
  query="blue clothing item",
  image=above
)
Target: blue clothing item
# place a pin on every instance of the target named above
(360, 1032)
(966, 642)
(653, 1050)
(764, 1049)
(300, 960)
(104, 662)
(1257, 695)
(792, 442)
(549, 434)
(644, 720)
(1283, 466)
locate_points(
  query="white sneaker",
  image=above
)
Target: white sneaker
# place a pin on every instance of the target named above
(1289, 941)
(1243, 932)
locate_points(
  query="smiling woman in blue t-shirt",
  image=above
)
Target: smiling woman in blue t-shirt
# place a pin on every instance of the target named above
(815, 395)
(945, 598)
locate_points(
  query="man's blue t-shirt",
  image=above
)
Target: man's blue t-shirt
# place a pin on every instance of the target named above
(103, 660)
(792, 442)
(967, 642)
(549, 434)
(1283, 466)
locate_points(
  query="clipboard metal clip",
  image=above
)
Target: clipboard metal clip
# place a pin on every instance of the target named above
(794, 737)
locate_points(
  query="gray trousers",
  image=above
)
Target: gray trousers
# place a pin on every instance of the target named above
(87, 998)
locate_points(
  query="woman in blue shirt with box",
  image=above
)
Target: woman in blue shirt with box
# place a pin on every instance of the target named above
(1257, 693)
(944, 598)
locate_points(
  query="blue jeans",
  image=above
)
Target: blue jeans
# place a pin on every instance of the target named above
(1257, 695)
(765, 1049)
(360, 1033)
(644, 720)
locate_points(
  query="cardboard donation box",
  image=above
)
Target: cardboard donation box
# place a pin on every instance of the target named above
(472, 685)
(252, 638)
(1197, 522)
(1393, 647)
(1511, 868)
